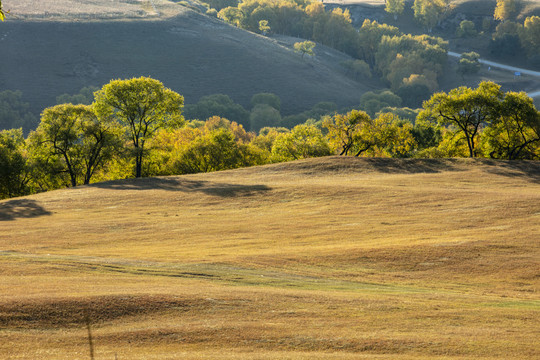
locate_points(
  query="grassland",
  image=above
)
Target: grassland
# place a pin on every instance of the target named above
(332, 258)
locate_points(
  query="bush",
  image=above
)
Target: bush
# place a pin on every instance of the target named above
(466, 29)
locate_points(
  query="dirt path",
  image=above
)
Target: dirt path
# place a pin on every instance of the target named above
(506, 67)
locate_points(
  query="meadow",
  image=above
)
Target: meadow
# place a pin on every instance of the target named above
(329, 258)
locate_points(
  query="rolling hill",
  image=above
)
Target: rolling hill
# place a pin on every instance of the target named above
(53, 48)
(329, 258)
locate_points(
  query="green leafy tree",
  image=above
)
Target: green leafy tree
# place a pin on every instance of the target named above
(372, 102)
(515, 134)
(231, 15)
(218, 150)
(426, 134)
(142, 106)
(303, 141)
(465, 110)
(359, 69)
(263, 115)
(305, 47)
(429, 12)
(530, 35)
(395, 7)
(76, 139)
(392, 136)
(469, 63)
(400, 57)
(14, 169)
(369, 38)
(466, 29)
(84, 97)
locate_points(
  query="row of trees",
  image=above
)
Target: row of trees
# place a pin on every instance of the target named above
(401, 59)
(135, 128)
(510, 37)
(426, 12)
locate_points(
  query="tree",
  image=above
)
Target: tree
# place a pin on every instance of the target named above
(263, 115)
(392, 136)
(218, 150)
(84, 97)
(465, 109)
(303, 141)
(504, 9)
(264, 27)
(2, 14)
(15, 113)
(466, 29)
(370, 36)
(530, 36)
(429, 12)
(305, 47)
(231, 15)
(142, 106)
(515, 134)
(217, 105)
(267, 99)
(357, 68)
(395, 7)
(14, 170)
(372, 102)
(343, 130)
(469, 63)
(78, 140)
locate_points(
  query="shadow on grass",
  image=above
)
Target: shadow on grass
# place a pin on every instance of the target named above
(412, 166)
(175, 184)
(525, 169)
(23, 208)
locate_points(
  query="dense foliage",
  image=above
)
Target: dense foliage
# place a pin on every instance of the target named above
(400, 59)
(136, 119)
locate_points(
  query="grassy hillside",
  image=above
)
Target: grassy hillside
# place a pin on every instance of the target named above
(331, 258)
(53, 48)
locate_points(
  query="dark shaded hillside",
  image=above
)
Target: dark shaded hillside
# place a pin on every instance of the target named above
(191, 53)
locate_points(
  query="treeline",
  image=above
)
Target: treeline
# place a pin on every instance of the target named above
(404, 61)
(135, 128)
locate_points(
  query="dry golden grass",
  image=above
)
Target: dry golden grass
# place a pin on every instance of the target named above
(68, 10)
(332, 258)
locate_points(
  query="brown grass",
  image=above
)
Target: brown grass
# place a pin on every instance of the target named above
(329, 258)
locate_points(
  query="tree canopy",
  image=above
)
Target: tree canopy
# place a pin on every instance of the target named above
(465, 109)
(76, 139)
(142, 106)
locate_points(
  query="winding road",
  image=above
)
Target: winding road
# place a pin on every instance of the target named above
(533, 94)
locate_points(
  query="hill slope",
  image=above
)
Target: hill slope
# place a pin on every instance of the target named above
(48, 52)
(328, 258)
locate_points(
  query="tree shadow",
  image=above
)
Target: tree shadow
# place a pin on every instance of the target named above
(412, 166)
(525, 169)
(184, 185)
(21, 208)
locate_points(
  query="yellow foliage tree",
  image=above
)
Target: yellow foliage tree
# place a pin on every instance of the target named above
(504, 9)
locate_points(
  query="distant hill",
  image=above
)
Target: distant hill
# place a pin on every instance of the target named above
(53, 48)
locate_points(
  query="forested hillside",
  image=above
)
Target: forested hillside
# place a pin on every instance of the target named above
(194, 54)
